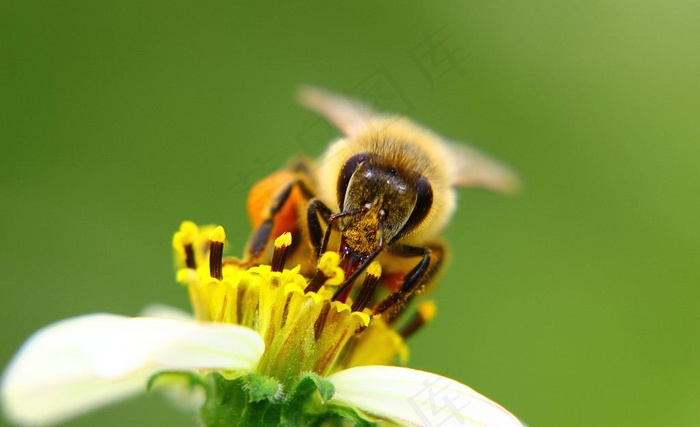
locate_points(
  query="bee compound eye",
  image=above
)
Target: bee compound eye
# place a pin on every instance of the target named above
(424, 202)
(346, 173)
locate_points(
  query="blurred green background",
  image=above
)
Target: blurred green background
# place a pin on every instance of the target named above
(574, 303)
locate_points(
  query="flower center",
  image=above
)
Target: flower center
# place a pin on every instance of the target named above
(303, 328)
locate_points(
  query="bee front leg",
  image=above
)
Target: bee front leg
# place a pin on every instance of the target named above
(316, 233)
(423, 273)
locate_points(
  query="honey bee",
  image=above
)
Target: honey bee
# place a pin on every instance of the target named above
(383, 191)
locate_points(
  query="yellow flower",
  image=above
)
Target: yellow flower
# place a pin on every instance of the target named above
(264, 340)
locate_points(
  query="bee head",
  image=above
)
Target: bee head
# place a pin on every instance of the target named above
(381, 201)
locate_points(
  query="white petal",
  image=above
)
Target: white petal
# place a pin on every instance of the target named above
(50, 380)
(415, 397)
(139, 343)
(165, 312)
(78, 364)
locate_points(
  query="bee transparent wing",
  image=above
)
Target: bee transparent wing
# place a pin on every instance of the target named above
(347, 114)
(471, 168)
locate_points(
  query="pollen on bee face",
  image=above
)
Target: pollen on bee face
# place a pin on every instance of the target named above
(303, 328)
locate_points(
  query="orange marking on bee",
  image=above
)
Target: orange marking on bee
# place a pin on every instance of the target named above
(263, 194)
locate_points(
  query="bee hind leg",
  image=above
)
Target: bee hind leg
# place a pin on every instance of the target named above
(260, 239)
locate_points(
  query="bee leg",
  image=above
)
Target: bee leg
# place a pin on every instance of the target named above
(261, 237)
(316, 233)
(421, 274)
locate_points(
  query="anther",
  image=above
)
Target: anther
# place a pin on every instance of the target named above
(189, 257)
(187, 234)
(279, 256)
(316, 282)
(423, 315)
(216, 250)
(368, 287)
(326, 269)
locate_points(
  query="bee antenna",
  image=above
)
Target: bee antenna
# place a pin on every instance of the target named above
(332, 219)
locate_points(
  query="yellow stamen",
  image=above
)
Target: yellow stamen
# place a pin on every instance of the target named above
(328, 272)
(303, 331)
(218, 235)
(279, 256)
(427, 310)
(374, 270)
(424, 314)
(183, 242)
(285, 239)
(216, 251)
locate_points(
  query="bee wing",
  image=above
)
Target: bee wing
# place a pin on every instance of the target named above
(471, 168)
(347, 114)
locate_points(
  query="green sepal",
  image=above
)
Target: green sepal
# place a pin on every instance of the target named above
(336, 415)
(225, 401)
(244, 401)
(256, 400)
(302, 397)
(260, 387)
(309, 384)
(307, 404)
